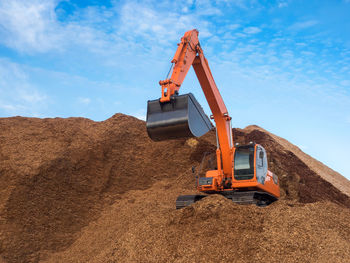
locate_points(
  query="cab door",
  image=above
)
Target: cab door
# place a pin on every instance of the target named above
(260, 164)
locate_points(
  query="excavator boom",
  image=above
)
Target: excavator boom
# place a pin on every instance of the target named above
(174, 116)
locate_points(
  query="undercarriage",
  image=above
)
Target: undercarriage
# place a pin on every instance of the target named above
(240, 197)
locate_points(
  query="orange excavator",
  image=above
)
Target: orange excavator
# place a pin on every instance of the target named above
(241, 172)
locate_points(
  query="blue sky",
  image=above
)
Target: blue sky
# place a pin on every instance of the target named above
(282, 65)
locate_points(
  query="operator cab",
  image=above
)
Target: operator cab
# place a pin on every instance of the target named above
(248, 158)
(244, 162)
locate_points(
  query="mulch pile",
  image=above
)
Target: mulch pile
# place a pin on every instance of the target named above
(75, 190)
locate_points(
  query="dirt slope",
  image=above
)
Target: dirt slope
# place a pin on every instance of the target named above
(322, 170)
(74, 190)
(299, 180)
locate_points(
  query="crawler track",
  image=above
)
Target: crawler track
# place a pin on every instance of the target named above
(239, 197)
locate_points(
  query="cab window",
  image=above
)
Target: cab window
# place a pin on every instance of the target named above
(244, 163)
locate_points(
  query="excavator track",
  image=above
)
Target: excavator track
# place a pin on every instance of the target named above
(240, 197)
(187, 200)
(251, 197)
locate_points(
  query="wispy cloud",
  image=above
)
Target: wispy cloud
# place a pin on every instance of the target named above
(140, 114)
(345, 83)
(147, 22)
(28, 25)
(252, 30)
(33, 26)
(18, 96)
(303, 25)
(282, 4)
(85, 101)
(233, 26)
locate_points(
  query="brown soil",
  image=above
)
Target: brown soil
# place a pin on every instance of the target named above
(74, 190)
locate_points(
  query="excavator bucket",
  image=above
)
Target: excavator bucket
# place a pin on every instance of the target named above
(180, 118)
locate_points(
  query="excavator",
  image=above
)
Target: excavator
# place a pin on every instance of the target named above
(241, 173)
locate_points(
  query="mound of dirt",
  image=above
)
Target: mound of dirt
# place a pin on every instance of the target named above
(74, 190)
(212, 230)
(298, 179)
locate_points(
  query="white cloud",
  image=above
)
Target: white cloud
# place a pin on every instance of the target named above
(33, 27)
(85, 101)
(140, 117)
(282, 4)
(146, 22)
(307, 53)
(240, 35)
(29, 25)
(207, 8)
(31, 95)
(140, 114)
(345, 83)
(237, 3)
(303, 25)
(18, 96)
(252, 30)
(11, 107)
(233, 26)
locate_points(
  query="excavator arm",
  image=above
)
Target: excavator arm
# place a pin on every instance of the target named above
(218, 109)
(189, 53)
(183, 59)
